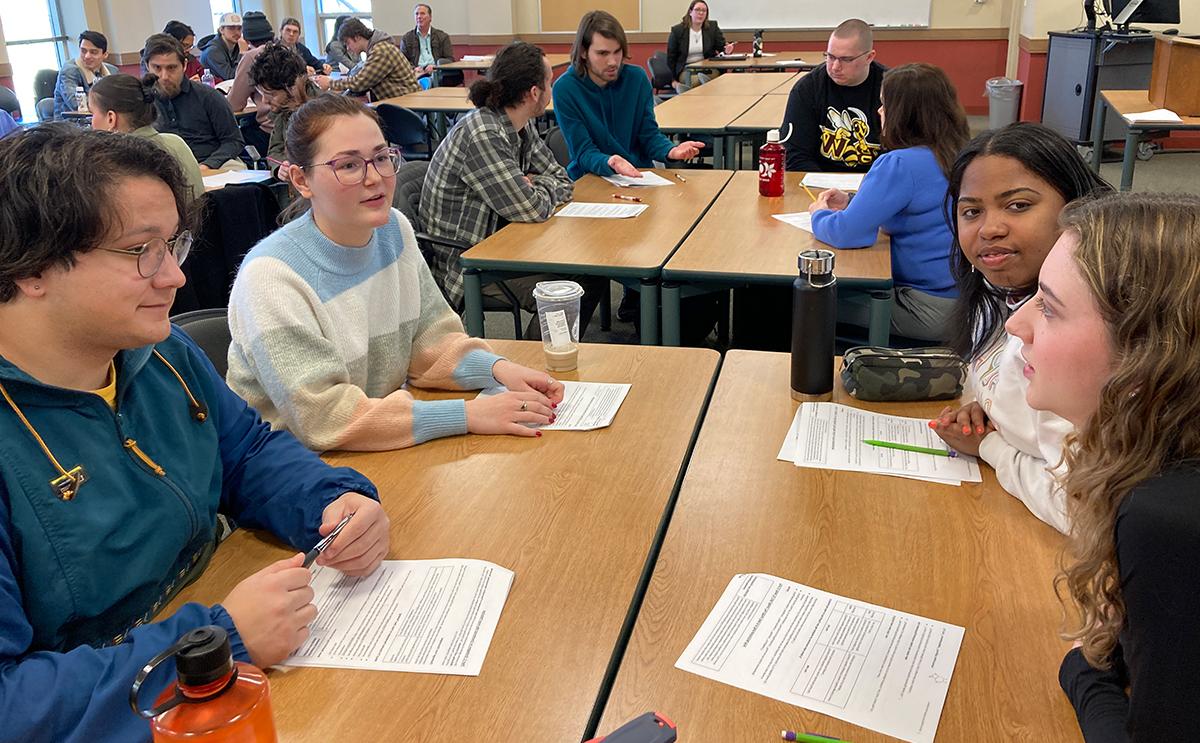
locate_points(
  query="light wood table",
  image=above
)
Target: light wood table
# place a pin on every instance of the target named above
(785, 88)
(764, 115)
(631, 251)
(1126, 102)
(971, 555)
(740, 243)
(782, 60)
(703, 114)
(573, 514)
(438, 102)
(481, 65)
(744, 83)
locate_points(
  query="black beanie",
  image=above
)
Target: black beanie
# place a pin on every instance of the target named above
(256, 28)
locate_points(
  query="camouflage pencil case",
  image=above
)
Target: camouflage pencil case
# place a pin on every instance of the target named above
(879, 374)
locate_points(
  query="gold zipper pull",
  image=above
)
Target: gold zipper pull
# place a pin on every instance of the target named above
(132, 446)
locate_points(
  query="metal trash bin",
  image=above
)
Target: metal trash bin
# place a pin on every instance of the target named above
(1004, 101)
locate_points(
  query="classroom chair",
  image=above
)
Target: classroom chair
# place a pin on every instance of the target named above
(44, 109)
(558, 145)
(660, 76)
(9, 102)
(210, 329)
(43, 85)
(406, 130)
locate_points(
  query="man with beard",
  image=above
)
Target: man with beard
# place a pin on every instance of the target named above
(195, 112)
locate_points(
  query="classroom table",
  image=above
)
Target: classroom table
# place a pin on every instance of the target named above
(483, 64)
(754, 124)
(739, 243)
(630, 251)
(1126, 102)
(744, 83)
(438, 102)
(970, 555)
(704, 114)
(784, 88)
(790, 60)
(573, 514)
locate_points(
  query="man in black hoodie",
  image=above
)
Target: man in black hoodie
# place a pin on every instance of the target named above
(833, 111)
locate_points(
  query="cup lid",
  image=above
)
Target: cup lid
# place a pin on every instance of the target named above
(557, 291)
(815, 262)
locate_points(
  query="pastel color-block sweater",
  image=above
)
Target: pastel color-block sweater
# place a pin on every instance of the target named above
(326, 338)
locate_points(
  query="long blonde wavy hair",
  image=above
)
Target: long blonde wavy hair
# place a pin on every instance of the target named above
(1140, 256)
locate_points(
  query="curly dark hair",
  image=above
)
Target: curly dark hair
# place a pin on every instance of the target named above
(516, 68)
(277, 67)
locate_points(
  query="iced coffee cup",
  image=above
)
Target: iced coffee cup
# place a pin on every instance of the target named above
(558, 314)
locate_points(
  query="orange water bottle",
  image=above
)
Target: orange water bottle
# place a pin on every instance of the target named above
(214, 699)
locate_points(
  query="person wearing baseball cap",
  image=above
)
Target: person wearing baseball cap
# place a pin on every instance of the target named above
(223, 52)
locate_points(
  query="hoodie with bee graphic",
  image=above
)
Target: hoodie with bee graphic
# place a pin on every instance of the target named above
(835, 128)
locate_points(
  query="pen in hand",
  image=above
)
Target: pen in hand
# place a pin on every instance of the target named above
(322, 545)
(626, 198)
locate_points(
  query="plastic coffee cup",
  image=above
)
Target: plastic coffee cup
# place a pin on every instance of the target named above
(558, 315)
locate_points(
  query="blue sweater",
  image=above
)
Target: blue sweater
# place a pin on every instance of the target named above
(82, 579)
(617, 119)
(903, 193)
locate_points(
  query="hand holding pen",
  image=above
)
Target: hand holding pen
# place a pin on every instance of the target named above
(357, 545)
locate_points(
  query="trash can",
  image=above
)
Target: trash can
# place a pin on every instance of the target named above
(1004, 101)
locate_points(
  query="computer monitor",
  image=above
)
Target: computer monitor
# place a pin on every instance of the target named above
(1125, 12)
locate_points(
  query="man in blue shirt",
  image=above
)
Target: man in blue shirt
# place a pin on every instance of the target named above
(605, 107)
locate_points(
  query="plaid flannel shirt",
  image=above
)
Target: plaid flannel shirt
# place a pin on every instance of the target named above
(475, 186)
(385, 74)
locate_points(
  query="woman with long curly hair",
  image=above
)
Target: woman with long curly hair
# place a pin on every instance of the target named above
(1112, 344)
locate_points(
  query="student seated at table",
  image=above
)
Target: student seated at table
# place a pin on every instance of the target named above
(904, 192)
(694, 39)
(195, 112)
(284, 86)
(832, 112)
(424, 46)
(257, 32)
(221, 54)
(336, 314)
(1007, 189)
(186, 37)
(289, 34)
(123, 103)
(493, 169)
(385, 74)
(1112, 344)
(335, 51)
(82, 72)
(119, 444)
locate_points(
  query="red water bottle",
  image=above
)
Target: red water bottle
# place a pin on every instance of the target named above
(770, 166)
(215, 699)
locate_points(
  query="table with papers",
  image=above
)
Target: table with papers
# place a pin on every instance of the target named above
(1140, 116)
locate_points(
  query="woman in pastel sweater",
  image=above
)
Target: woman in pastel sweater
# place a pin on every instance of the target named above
(1112, 344)
(924, 127)
(334, 315)
(1007, 189)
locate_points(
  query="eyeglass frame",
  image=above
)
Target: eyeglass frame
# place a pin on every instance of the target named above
(395, 151)
(829, 58)
(170, 245)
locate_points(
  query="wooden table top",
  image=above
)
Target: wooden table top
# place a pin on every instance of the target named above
(555, 60)
(738, 237)
(971, 555)
(637, 246)
(444, 100)
(701, 113)
(1126, 102)
(782, 59)
(764, 115)
(786, 88)
(573, 514)
(744, 83)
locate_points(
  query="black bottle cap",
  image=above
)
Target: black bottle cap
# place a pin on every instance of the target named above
(204, 656)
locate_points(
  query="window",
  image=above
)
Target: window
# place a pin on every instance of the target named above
(220, 8)
(329, 10)
(35, 42)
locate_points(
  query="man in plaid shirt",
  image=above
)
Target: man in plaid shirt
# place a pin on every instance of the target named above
(385, 74)
(493, 169)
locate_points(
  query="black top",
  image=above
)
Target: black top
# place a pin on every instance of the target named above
(678, 44)
(834, 127)
(204, 120)
(1158, 556)
(309, 58)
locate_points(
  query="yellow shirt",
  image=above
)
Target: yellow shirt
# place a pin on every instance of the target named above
(109, 390)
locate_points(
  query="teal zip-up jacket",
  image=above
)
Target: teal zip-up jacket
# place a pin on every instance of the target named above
(85, 567)
(617, 119)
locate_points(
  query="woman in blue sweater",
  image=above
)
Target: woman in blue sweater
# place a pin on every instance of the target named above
(924, 127)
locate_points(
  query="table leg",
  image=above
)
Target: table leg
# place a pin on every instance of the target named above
(718, 152)
(473, 298)
(605, 307)
(1098, 132)
(879, 329)
(649, 308)
(1127, 160)
(670, 315)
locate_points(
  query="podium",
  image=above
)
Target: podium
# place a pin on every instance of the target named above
(1175, 75)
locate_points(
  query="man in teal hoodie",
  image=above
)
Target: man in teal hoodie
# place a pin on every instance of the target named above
(605, 107)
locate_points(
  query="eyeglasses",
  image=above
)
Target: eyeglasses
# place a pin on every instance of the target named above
(151, 254)
(830, 59)
(352, 169)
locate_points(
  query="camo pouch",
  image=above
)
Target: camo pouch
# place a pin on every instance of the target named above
(879, 374)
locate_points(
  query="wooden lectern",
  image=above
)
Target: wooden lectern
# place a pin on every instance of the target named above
(1175, 75)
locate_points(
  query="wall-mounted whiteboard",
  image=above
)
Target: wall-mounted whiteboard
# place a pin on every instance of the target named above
(755, 14)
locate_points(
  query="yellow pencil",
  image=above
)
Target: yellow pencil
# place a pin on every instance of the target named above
(810, 193)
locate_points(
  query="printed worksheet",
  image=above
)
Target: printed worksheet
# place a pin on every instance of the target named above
(649, 178)
(601, 211)
(840, 181)
(803, 220)
(420, 616)
(881, 669)
(585, 405)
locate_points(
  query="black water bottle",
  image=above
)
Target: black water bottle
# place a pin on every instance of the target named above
(814, 317)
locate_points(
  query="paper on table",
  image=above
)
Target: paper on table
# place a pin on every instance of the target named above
(601, 211)
(1157, 115)
(476, 57)
(585, 406)
(830, 436)
(875, 667)
(803, 220)
(649, 178)
(419, 616)
(237, 176)
(840, 181)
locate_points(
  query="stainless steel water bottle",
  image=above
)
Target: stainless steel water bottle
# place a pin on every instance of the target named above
(814, 318)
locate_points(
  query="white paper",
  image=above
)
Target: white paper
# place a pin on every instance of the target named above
(585, 406)
(649, 178)
(419, 616)
(224, 86)
(874, 667)
(1157, 115)
(601, 211)
(560, 332)
(840, 181)
(803, 220)
(830, 436)
(476, 57)
(237, 176)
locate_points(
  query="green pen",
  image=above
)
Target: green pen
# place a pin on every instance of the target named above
(810, 738)
(910, 447)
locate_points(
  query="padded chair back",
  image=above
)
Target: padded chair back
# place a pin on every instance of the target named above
(405, 129)
(660, 73)
(43, 84)
(210, 329)
(45, 109)
(558, 145)
(9, 102)
(409, 181)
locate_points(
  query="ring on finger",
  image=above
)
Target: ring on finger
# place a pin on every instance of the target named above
(524, 406)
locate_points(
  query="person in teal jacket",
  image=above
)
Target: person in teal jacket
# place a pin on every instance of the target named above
(605, 107)
(120, 443)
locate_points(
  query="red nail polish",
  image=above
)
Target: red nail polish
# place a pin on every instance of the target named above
(933, 424)
(966, 430)
(979, 429)
(554, 416)
(539, 433)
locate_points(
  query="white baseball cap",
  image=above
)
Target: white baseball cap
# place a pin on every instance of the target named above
(230, 19)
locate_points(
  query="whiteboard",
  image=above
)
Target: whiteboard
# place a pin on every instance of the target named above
(756, 14)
